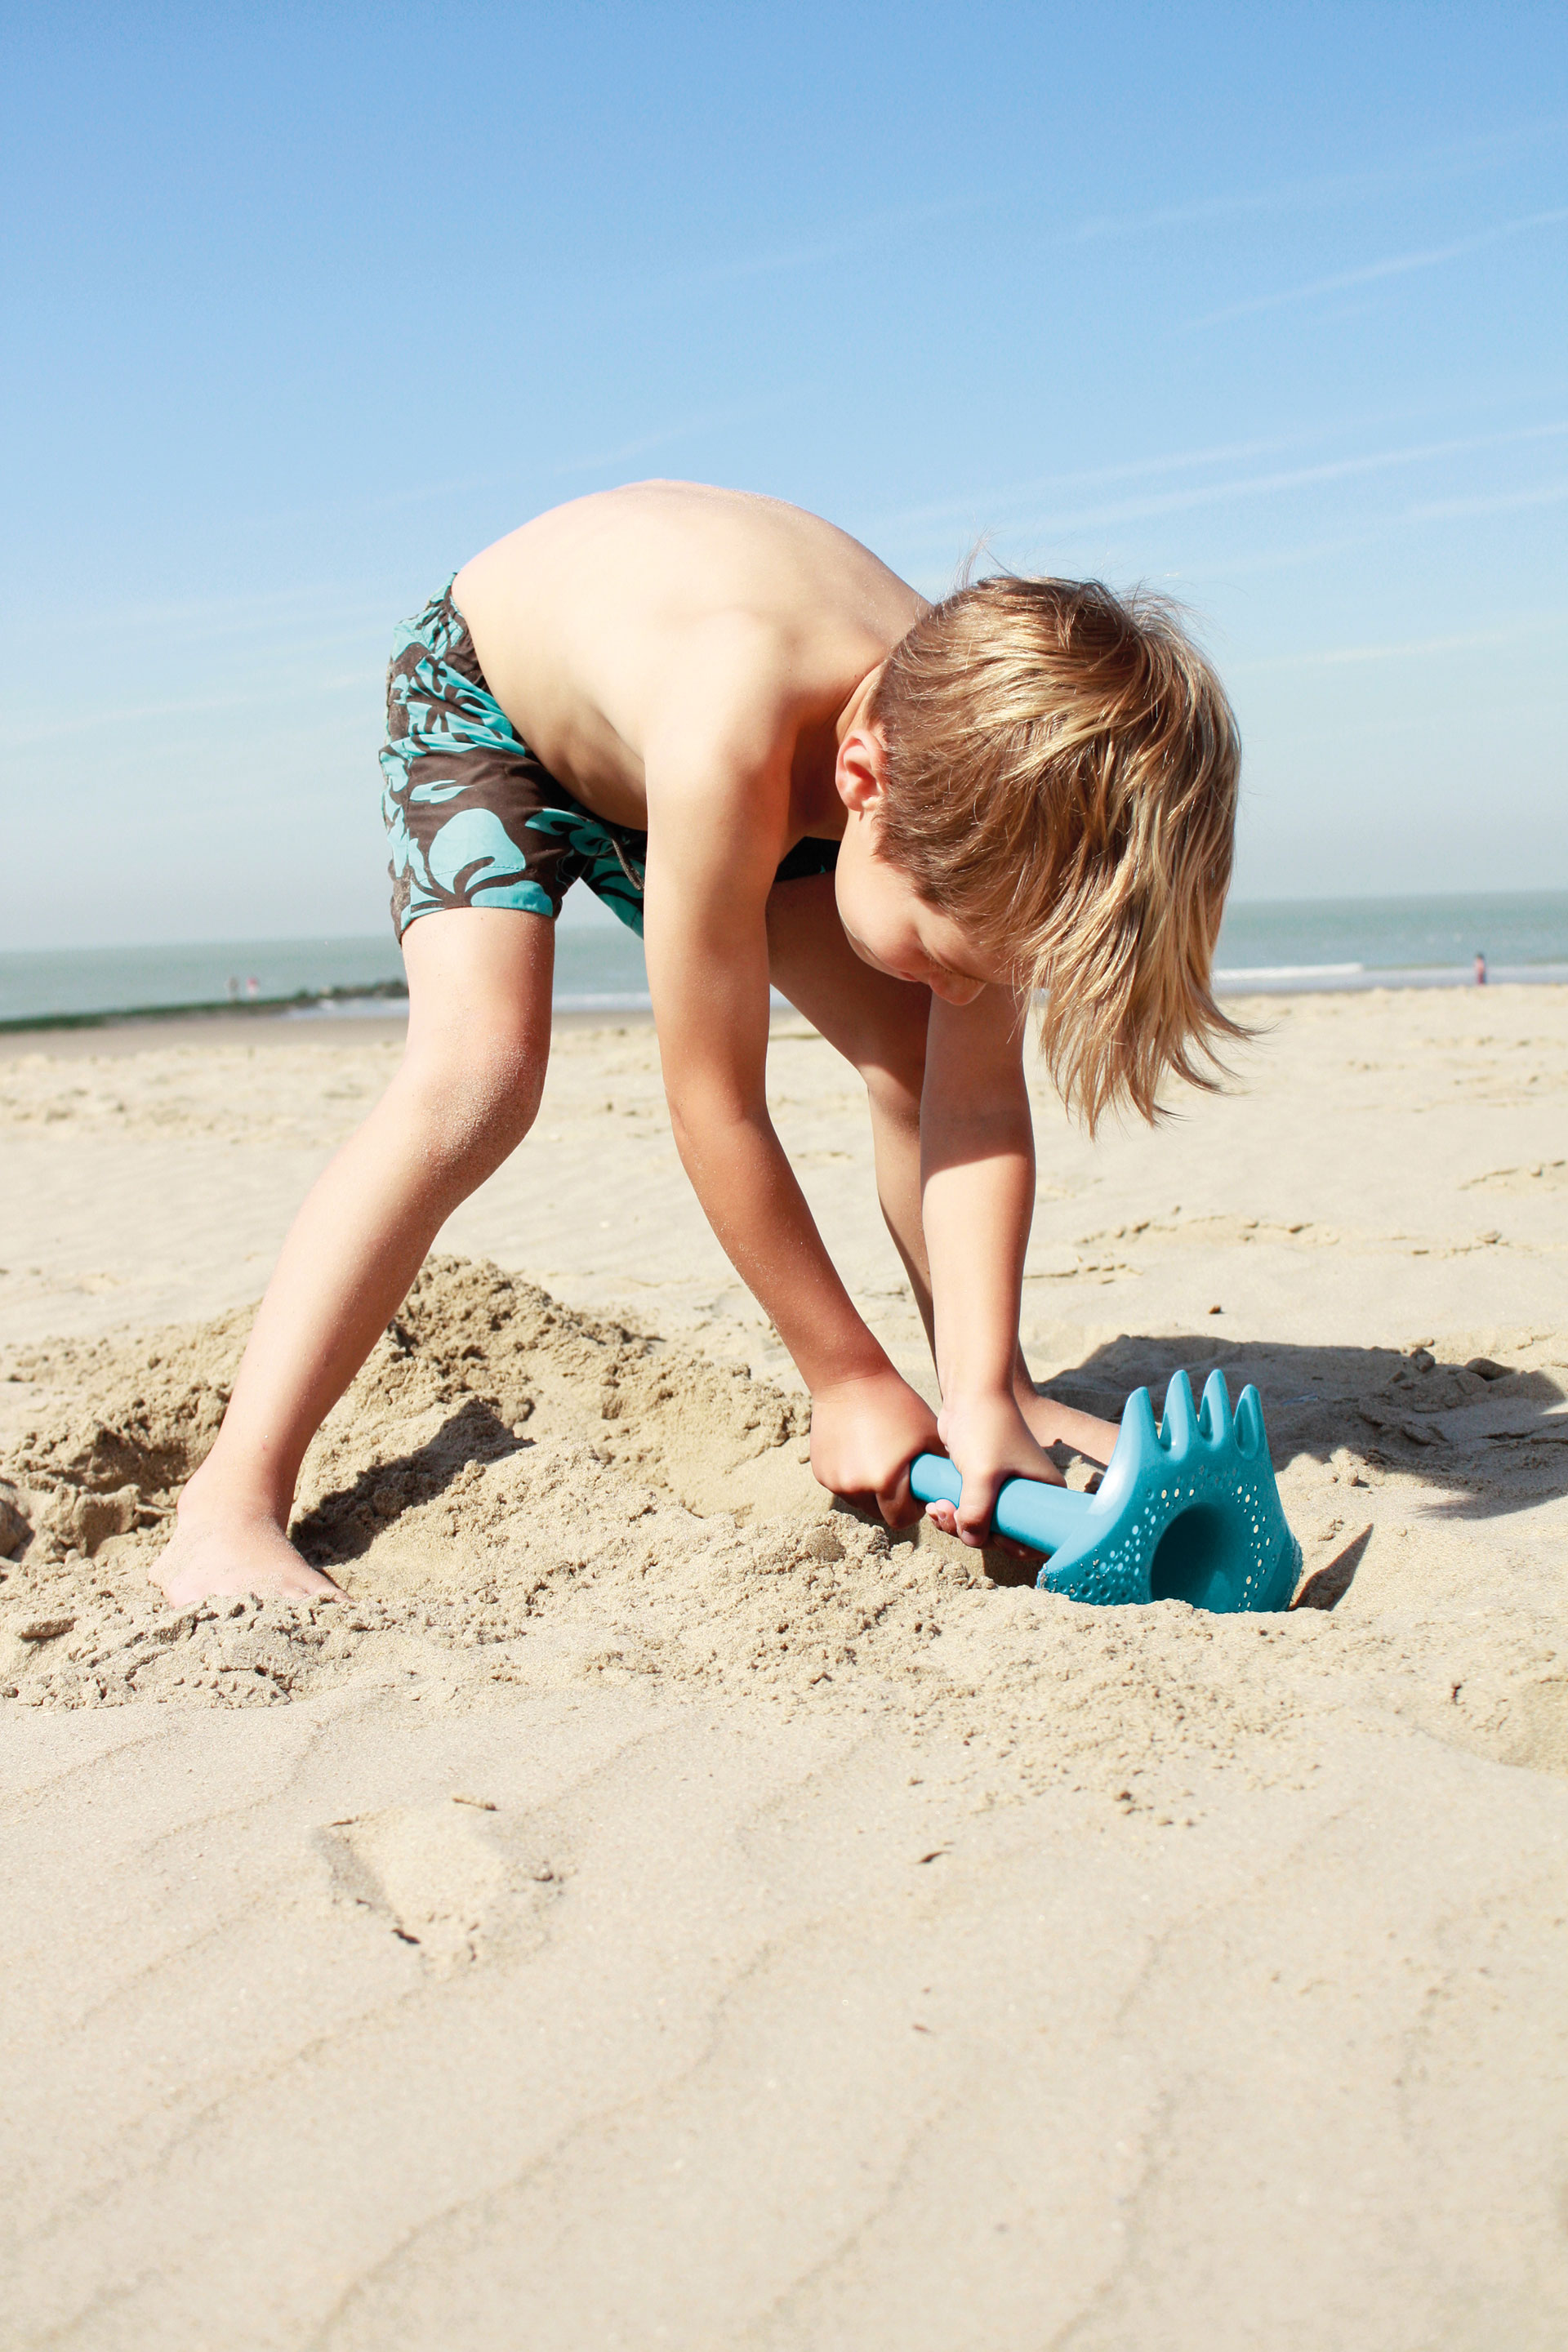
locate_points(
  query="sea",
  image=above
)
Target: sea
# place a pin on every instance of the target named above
(1267, 946)
(598, 968)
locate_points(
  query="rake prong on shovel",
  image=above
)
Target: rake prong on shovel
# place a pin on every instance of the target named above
(1185, 1512)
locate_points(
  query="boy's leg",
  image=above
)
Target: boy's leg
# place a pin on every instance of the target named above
(878, 1024)
(465, 1095)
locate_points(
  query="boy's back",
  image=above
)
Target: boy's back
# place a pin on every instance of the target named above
(668, 609)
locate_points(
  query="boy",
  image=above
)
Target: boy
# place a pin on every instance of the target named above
(732, 721)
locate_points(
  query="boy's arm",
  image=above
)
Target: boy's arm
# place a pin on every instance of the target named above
(711, 857)
(977, 1175)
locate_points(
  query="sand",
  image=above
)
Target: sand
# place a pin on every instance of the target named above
(657, 1907)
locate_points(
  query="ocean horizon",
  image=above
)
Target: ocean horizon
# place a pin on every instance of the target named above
(1267, 946)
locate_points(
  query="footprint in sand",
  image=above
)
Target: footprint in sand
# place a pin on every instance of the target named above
(456, 1878)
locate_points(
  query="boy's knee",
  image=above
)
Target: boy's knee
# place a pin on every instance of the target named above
(482, 1095)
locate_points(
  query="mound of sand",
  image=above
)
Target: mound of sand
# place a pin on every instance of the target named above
(515, 1494)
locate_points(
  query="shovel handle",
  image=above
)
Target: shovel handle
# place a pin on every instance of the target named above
(1027, 1512)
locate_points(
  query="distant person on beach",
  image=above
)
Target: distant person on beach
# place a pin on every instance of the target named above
(1480, 969)
(779, 763)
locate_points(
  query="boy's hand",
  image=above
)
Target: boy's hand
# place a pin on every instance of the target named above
(865, 1433)
(990, 1441)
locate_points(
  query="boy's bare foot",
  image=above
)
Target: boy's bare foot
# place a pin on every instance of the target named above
(1059, 1424)
(239, 1554)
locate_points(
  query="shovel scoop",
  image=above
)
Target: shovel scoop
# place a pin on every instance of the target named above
(1187, 1511)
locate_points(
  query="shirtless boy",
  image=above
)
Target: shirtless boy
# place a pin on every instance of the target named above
(739, 728)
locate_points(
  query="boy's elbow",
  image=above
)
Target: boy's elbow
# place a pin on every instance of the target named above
(896, 1086)
(702, 1112)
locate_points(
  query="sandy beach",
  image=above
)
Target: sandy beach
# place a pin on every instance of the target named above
(654, 1908)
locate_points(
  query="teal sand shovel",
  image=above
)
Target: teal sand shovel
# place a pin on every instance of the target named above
(1185, 1512)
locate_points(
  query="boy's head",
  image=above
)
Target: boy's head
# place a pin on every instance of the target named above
(1051, 772)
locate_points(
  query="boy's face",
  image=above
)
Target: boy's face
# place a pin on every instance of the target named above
(887, 922)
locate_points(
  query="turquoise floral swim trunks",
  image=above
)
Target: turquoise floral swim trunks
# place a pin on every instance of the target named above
(473, 817)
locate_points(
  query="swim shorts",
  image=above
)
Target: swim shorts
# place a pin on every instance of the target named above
(474, 818)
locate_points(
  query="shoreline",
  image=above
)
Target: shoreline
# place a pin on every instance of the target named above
(301, 1001)
(275, 1018)
(118, 1034)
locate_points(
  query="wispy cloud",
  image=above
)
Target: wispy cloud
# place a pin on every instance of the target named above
(420, 494)
(1549, 494)
(999, 507)
(1504, 633)
(510, 477)
(707, 420)
(274, 698)
(1275, 483)
(1396, 265)
(1223, 569)
(1449, 161)
(1312, 194)
(218, 616)
(1085, 478)
(854, 237)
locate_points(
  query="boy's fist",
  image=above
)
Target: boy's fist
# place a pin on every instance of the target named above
(990, 1441)
(864, 1433)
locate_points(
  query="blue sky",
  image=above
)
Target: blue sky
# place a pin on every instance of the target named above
(1268, 308)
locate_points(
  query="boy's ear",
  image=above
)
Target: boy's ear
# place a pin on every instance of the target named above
(861, 772)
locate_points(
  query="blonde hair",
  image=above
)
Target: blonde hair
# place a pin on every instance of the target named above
(1062, 770)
